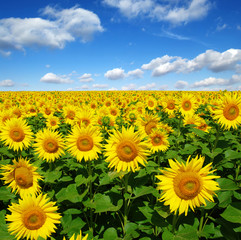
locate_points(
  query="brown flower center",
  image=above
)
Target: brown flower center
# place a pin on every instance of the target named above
(23, 177)
(186, 105)
(85, 121)
(170, 105)
(149, 126)
(53, 123)
(85, 143)
(34, 218)
(187, 185)
(70, 115)
(17, 134)
(126, 151)
(150, 103)
(50, 146)
(231, 112)
(157, 140)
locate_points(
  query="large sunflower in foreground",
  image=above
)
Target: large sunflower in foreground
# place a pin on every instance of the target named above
(84, 143)
(187, 185)
(125, 150)
(49, 145)
(228, 112)
(21, 177)
(33, 217)
(78, 237)
(16, 134)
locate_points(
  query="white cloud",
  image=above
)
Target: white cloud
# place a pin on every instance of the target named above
(148, 86)
(47, 66)
(181, 84)
(4, 53)
(211, 81)
(112, 89)
(59, 27)
(86, 77)
(163, 87)
(131, 86)
(84, 86)
(53, 78)
(213, 60)
(6, 83)
(100, 86)
(114, 74)
(221, 27)
(170, 11)
(137, 73)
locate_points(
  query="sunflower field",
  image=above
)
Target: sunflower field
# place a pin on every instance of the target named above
(120, 165)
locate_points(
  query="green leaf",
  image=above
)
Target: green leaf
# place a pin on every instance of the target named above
(5, 194)
(225, 198)
(71, 194)
(186, 232)
(233, 213)
(52, 176)
(72, 211)
(130, 229)
(227, 184)
(143, 190)
(198, 132)
(109, 202)
(71, 226)
(110, 233)
(109, 177)
(231, 154)
(188, 149)
(4, 234)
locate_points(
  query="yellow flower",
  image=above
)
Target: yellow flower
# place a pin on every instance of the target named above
(21, 177)
(228, 112)
(84, 142)
(158, 139)
(53, 122)
(187, 185)
(49, 144)
(16, 134)
(33, 217)
(188, 104)
(125, 150)
(78, 237)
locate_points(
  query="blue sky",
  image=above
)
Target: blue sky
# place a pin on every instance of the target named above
(120, 45)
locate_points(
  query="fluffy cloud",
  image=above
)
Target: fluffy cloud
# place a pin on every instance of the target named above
(131, 86)
(6, 83)
(171, 11)
(213, 60)
(211, 81)
(59, 27)
(138, 73)
(53, 78)
(114, 74)
(181, 84)
(100, 86)
(86, 77)
(148, 86)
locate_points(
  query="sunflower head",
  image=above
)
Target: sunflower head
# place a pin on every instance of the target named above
(33, 217)
(187, 185)
(22, 177)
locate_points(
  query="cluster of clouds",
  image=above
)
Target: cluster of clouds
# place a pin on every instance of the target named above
(175, 12)
(212, 60)
(53, 29)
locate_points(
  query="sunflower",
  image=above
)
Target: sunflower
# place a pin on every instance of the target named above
(124, 150)
(53, 122)
(147, 122)
(188, 104)
(49, 145)
(228, 113)
(69, 112)
(16, 134)
(151, 103)
(21, 177)
(78, 237)
(187, 185)
(158, 139)
(33, 217)
(84, 142)
(85, 116)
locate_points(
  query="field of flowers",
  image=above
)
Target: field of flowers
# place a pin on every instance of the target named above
(120, 165)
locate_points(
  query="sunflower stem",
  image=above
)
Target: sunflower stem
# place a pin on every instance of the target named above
(91, 196)
(174, 222)
(125, 216)
(216, 140)
(201, 221)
